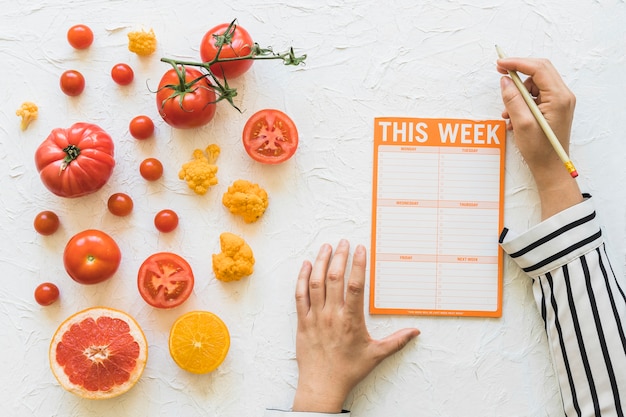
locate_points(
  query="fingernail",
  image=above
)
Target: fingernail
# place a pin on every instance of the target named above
(360, 249)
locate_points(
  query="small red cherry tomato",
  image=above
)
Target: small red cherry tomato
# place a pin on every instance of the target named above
(166, 221)
(72, 83)
(141, 127)
(151, 169)
(46, 223)
(120, 204)
(80, 36)
(122, 74)
(46, 293)
(270, 136)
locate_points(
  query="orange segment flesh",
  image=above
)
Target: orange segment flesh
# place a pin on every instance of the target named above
(199, 342)
(98, 353)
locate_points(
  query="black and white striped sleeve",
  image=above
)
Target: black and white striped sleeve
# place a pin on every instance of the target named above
(583, 305)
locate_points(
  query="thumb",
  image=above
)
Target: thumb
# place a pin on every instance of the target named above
(514, 103)
(396, 342)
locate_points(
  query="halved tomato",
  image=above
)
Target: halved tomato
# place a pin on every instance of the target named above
(270, 136)
(165, 280)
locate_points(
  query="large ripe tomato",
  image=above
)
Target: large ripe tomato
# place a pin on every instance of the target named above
(270, 136)
(182, 104)
(235, 42)
(76, 161)
(91, 256)
(165, 280)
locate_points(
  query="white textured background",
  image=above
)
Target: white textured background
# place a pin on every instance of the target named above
(366, 58)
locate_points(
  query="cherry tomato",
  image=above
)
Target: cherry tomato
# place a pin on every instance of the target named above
(122, 74)
(151, 169)
(270, 136)
(185, 106)
(120, 204)
(72, 83)
(91, 256)
(165, 280)
(75, 161)
(166, 221)
(46, 293)
(141, 127)
(235, 41)
(46, 223)
(80, 36)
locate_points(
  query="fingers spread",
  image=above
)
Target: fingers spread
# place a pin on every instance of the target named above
(335, 275)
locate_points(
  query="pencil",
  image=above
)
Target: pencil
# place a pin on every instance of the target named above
(541, 119)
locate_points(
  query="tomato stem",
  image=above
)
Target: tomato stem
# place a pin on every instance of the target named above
(223, 91)
(71, 153)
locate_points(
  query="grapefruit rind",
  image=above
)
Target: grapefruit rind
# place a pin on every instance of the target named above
(95, 313)
(186, 331)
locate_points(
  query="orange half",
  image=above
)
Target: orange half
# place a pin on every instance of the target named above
(199, 342)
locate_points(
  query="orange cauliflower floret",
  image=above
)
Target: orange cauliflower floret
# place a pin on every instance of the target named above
(28, 111)
(142, 43)
(236, 259)
(201, 172)
(246, 199)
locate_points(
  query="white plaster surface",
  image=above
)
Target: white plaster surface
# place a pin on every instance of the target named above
(365, 58)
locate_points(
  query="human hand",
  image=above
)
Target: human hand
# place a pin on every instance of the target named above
(333, 347)
(557, 190)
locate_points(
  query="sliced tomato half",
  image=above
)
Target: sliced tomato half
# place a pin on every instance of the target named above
(270, 136)
(165, 280)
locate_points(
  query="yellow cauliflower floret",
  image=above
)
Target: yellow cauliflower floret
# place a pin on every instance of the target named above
(201, 172)
(142, 43)
(246, 199)
(236, 259)
(28, 111)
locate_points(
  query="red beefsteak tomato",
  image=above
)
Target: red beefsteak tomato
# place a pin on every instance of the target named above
(75, 161)
(185, 99)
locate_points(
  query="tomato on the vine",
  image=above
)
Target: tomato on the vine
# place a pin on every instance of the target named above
(235, 42)
(80, 36)
(166, 221)
(72, 83)
(185, 98)
(46, 293)
(120, 204)
(270, 136)
(141, 127)
(165, 280)
(75, 161)
(122, 74)
(46, 222)
(151, 169)
(91, 256)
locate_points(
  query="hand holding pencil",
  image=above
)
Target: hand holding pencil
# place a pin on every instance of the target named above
(547, 86)
(552, 117)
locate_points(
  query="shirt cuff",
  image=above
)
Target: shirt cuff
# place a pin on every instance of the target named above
(555, 241)
(281, 413)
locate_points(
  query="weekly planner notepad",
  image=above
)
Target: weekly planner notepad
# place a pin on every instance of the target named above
(437, 211)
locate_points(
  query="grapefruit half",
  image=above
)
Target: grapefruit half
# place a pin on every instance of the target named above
(98, 353)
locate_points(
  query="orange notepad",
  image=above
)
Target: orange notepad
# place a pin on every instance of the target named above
(437, 211)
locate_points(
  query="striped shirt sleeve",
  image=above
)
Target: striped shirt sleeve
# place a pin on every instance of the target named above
(583, 305)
